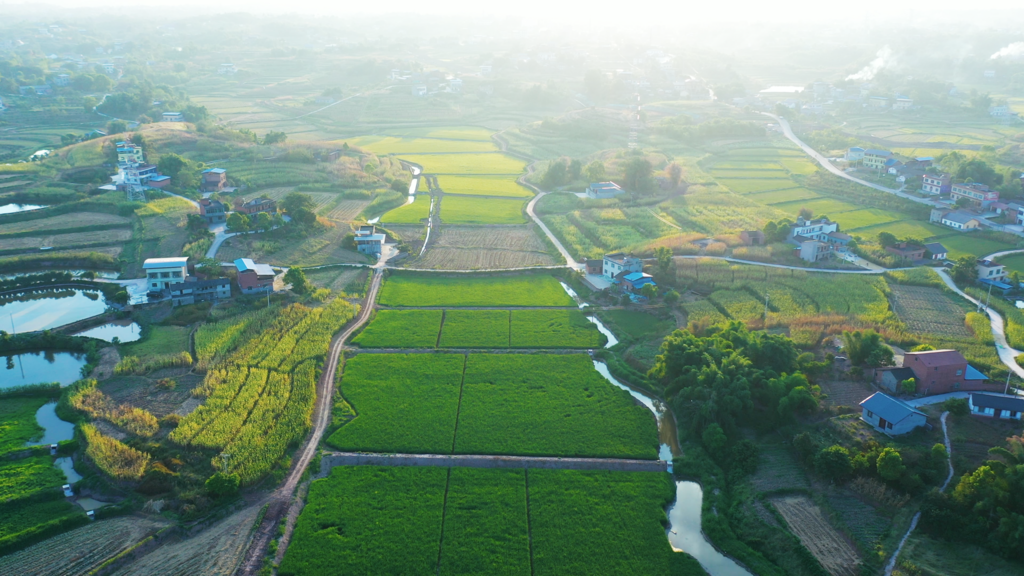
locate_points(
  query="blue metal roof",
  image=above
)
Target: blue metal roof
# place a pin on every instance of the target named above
(632, 276)
(973, 373)
(888, 407)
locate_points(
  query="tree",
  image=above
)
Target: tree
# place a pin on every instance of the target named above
(264, 221)
(675, 174)
(304, 217)
(172, 164)
(220, 484)
(886, 239)
(867, 348)
(89, 104)
(981, 102)
(890, 464)
(297, 278)
(194, 113)
(210, 268)
(806, 213)
(275, 138)
(671, 297)
(964, 270)
(713, 438)
(908, 386)
(238, 222)
(555, 175)
(296, 201)
(833, 463)
(574, 169)
(744, 456)
(638, 175)
(957, 406)
(596, 172)
(649, 291)
(116, 126)
(664, 256)
(771, 230)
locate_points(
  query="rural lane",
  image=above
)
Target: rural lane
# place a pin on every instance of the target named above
(1007, 354)
(569, 261)
(281, 499)
(332, 459)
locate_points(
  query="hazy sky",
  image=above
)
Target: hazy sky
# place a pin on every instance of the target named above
(674, 13)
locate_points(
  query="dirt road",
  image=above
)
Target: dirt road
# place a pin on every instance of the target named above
(281, 499)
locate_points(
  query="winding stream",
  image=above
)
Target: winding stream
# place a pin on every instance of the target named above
(684, 531)
(576, 297)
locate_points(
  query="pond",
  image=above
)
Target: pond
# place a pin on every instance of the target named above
(40, 368)
(108, 274)
(12, 208)
(68, 467)
(123, 330)
(42, 310)
(55, 430)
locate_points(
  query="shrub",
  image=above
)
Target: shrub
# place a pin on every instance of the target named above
(833, 463)
(957, 406)
(890, 464)
(221, 484)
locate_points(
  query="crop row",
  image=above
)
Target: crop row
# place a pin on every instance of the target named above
(367, 519)
(259, 398)
(136, 365)
(113, 457)
(96, 404)
(216, 340)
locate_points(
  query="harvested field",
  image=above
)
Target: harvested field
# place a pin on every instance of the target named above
(778, 470)
(340, 279)
(65, 221)
(485, 247)
(927, 310)
(830, 548)
(215, 551)
(348, 210)
(78, 239)
(81, 550)
(320, 198)
(845, 392)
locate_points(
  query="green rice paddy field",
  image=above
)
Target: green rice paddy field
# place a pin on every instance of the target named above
(396, 145)
(511, 404)
(483, 186)
(443, 291)
(480, 329)
(374, 520)
(763, 175)
(469, 210)
(415, 213)
(493, 163)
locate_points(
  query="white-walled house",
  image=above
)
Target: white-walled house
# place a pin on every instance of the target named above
(162, 272)
(889, 415)
(996, 405)
(619, 262)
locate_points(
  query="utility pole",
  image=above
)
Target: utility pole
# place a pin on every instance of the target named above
(13, 329)
(765, 309)
(1007, 389)
(989, 295)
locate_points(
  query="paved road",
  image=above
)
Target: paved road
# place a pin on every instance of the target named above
(332, 459)
(1007, 354)
(281, 499)
(569, 261)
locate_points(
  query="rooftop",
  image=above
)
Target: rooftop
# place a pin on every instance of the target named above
(214, 171)
(888, 407)
(874, 152)
(935, 248)
(634, 276)
(998, 401)
(934, 358)
(246, 264)
(959, 217)
(164, 262)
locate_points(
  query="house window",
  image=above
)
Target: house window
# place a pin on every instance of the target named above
(871, 414)
(888, 425)
(956, 385)
(959, 372)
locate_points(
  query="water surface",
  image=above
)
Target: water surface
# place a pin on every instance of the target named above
(12, 208)
(55, 430)
(685, 533)
(612, 340)
(68, 467)
(40, 368)
(37, 310)
(124, 330)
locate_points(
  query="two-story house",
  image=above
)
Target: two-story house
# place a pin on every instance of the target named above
(876, 159)
(254, 278)
(855, 154)
(936, 183)
(818, 229)
(214, 180)
(991, 270)
(257, 205)
(213, 211)
(368, 241)
(162, 272)
(619, 262)
(943, 371)
(978, 194)
(193, 290)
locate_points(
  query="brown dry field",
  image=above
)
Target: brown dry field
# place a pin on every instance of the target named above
(805, 520)
(348, 210)
(321, 198)
(335, 279)
(482, 247)
(113, 236)
(63, 222)
(845, 392)
(81, 550)
(928, 310)
(315, 250)
(215, 551)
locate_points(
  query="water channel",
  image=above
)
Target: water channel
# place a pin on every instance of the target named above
(124, 330)
(33, 311)
(576, 297)
(55, 430)
(40, 368)
(684, 532)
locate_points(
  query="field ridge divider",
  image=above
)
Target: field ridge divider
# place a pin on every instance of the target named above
(510, 329)
(440, 329)
(458, 407)
(444, 514)
(529, 527)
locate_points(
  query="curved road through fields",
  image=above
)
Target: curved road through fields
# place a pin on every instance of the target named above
(280, 501)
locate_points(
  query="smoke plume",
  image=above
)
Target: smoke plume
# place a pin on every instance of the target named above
(883, 59)
(1015, 50)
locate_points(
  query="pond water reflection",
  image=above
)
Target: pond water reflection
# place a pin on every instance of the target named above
(40, 368)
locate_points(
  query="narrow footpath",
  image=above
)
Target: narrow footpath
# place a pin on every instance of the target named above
(332, 459)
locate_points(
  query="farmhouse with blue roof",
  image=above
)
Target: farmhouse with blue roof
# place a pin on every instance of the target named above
(889, 415)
